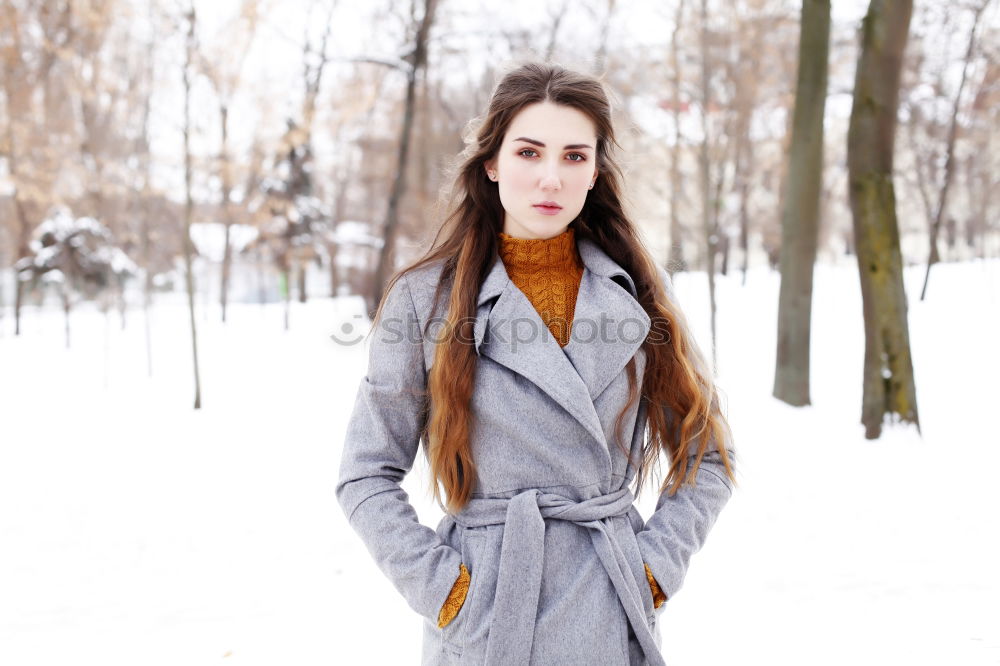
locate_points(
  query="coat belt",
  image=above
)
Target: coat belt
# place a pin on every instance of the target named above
(519, 579)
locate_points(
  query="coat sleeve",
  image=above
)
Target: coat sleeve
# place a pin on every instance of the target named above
(383, 437)
(680, 524)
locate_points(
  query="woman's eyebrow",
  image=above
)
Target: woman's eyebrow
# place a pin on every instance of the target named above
(570, 146)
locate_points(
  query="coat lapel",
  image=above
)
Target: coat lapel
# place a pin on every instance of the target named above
(608, 328)
(612, 324)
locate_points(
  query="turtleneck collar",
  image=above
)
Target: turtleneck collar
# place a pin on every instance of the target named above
(558, 253)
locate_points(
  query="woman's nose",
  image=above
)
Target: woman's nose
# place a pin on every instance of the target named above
(550, 180)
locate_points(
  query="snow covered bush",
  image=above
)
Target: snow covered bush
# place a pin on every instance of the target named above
(77, 257)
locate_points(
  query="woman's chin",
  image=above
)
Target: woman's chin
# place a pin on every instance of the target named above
(547, 227)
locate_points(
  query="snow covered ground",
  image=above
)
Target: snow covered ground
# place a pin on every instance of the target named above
(134, 530)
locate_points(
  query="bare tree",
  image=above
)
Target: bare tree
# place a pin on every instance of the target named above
(949, 165)
(314, 63)
(889, 386)
(363, 89)
(758, 34)
(291, 234)
(141, 149)
(98, 94)
(417, 61)
(675, 259)
(188, 73)
(556, 15)
(102, 78)
(33, 39)
(3, 264)
(800, 210)
(709, 230)
(601, 58)
(981, 160)
(224, 70)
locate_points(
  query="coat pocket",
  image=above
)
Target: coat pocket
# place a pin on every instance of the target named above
(456, 632)
(632, 551)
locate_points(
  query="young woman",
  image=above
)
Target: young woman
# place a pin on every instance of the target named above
(539, 354)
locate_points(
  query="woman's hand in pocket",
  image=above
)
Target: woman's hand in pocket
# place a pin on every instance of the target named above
(456, 598)
(658, 596)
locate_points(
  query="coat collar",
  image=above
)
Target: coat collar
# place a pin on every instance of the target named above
(608, 329)
(594, 259)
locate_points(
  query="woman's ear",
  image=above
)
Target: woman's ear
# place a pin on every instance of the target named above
(491, 171)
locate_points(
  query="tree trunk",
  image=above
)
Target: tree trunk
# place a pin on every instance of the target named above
(384, 267)
(303, 266)
(920, 163)
(120, 299)
(261, 289)
(557, 17)
(741, 182)
(745, 218)
(147, 289)
(706, 184)
(144, 206)
(801, 210)
(748, 83)
(889, 386)
(331, 250)
(601, 57)
(949, 164)
(286, 294)
(23, 224)
(227, 212)
(189, 203)
(3, 273)
(67, 306)
(675, 259)
(3, 303)
(23, 250)
(980, 177)
(975, 230)
(106, 309)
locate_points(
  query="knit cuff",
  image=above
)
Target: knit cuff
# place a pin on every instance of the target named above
(658, 596)
(457, 597)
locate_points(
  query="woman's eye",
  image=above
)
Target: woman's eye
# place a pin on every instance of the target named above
(574, 157)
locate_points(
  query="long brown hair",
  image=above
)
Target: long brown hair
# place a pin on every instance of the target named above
(466, 244)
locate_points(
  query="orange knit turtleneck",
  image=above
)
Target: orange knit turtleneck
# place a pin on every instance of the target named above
(548, 271)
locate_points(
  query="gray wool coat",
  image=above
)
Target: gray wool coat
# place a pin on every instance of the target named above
(551, 538)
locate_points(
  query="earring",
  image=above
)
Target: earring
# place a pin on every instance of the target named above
(591, 186)
(493, 175)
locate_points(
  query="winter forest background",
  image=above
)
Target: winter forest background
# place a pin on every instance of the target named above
(199, 205)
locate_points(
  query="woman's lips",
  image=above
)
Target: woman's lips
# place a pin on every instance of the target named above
(547, 210)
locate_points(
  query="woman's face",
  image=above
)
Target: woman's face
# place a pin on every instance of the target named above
(547, 157)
